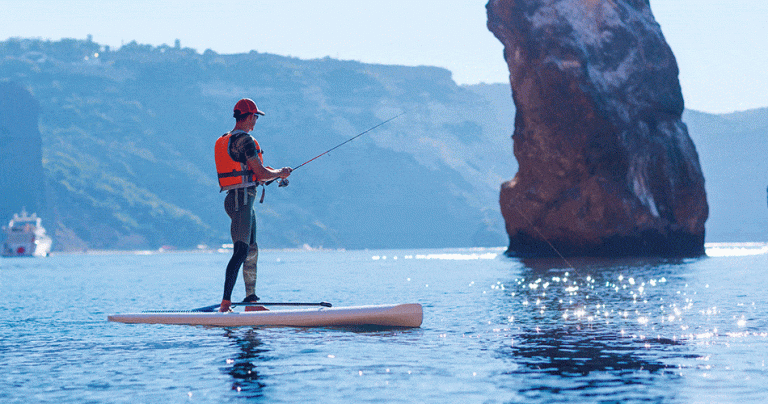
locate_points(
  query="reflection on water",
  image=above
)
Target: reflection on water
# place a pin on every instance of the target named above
(577, 352)
(626, 295)
(620, 321)
(244, 367)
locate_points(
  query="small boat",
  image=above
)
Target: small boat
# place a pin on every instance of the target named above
(395, 315)
(25, 237)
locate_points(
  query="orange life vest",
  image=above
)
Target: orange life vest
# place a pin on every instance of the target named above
(233, 174)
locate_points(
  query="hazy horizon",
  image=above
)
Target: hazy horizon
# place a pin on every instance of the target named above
(718, 44)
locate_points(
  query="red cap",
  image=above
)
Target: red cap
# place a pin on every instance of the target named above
(247, 106)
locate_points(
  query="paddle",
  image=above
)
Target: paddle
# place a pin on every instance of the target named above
(215, 307)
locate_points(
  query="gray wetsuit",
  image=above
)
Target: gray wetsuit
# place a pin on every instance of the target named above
(239, 205)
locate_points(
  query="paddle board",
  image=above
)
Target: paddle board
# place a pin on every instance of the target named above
(397, 315)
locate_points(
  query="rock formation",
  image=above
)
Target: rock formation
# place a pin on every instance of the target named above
(606, 166)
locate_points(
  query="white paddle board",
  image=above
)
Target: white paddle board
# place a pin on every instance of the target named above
(396, 315)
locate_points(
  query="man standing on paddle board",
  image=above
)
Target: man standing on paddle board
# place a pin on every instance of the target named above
(241, 169)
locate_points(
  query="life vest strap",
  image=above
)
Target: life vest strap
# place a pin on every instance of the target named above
(245, 191)
(235, 173)
(240, 186)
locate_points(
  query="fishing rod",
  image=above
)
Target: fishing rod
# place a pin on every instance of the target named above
(346, 141)
(284, 182)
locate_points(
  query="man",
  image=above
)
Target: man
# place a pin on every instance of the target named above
(241, 169)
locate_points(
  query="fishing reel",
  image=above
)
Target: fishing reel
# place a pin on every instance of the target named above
(280, 183)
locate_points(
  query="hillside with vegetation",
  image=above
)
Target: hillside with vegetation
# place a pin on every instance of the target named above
(128, 139)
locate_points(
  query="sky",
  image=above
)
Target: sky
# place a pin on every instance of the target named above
(721, 46)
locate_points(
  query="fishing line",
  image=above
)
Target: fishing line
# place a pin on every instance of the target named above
(542, 236)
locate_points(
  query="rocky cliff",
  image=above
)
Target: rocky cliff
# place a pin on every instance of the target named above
(606, 166)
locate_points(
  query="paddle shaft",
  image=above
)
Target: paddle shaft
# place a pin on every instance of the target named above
(214, 307)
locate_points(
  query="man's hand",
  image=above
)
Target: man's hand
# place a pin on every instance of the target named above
(285, 172)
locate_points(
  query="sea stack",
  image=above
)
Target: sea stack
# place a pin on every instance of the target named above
(606, 166)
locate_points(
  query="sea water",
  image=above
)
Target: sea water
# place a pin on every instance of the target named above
(496, 330)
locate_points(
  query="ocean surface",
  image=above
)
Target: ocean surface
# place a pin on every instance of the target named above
(496, 330)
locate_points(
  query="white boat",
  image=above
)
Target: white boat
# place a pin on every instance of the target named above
(25, 237)
(396, 315)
